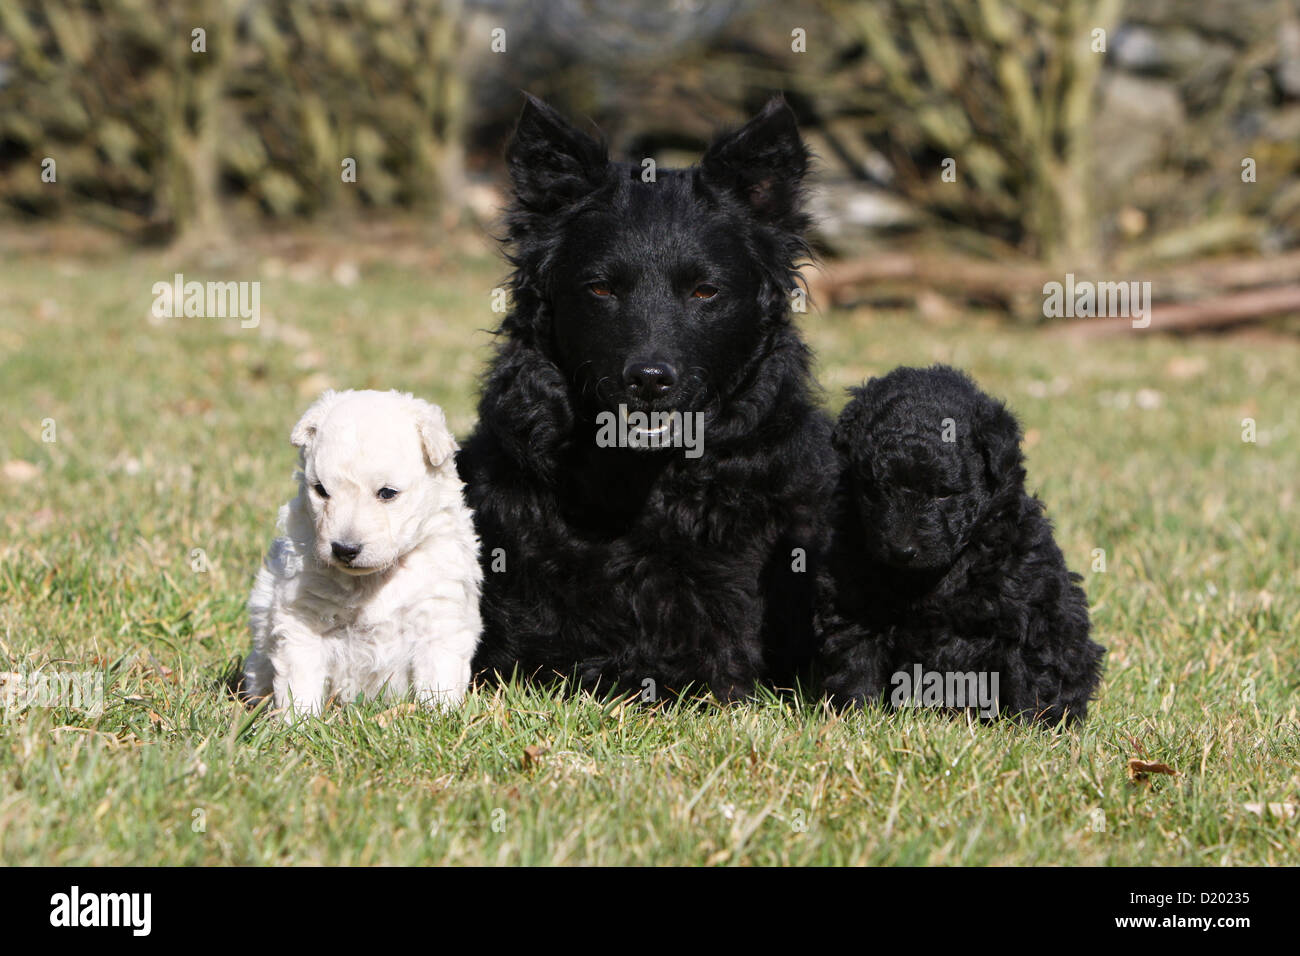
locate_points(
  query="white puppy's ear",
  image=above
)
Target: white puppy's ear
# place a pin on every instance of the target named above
(305, 431)
(438, 441)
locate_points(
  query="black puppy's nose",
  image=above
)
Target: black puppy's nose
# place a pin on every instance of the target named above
(649, 379)
(345, 552)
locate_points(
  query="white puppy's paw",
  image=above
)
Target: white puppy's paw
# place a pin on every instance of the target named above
(442, 701)
(300, 691)
(441, 680)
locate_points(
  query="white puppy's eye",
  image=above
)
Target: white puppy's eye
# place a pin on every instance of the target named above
(387, 494)
(320, 490)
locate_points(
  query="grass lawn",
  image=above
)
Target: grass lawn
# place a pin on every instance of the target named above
(128, 545)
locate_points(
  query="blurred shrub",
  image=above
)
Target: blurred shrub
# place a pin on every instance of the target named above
(150, 133)
(1059, 151)
(1065, 149)
(1004, 93)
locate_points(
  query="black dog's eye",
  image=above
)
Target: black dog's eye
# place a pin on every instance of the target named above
(387, 494)
(704, 292)
(320, 490)
(601, 289)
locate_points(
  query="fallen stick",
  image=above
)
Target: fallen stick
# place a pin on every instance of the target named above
(976, 276)
(1212, 313)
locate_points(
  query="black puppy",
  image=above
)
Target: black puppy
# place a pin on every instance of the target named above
(942, 564)
(650, 469)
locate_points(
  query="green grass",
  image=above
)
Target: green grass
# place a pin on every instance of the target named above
(173, 437)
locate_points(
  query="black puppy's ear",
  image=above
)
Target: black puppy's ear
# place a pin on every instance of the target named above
(997, 433)
(764, 164)
(847, 436)
(842, 437)
(551, 163)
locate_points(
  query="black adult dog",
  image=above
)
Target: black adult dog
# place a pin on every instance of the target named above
(941, 562)
(651, 309)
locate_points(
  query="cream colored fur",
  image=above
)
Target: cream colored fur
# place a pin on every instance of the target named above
(400, 617)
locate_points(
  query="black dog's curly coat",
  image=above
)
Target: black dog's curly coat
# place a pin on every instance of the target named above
(940, 557)
(667, 293)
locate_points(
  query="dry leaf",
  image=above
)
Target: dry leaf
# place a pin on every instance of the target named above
(1138, 770)
(19, 471)
(1283, 811)
(1187, 366)
(164, 672)
(533, 754)
(388, 716)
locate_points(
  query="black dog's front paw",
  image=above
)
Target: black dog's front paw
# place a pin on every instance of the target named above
(853, 670)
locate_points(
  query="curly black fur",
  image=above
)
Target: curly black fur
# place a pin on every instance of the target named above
(622, 565)
(941, 558)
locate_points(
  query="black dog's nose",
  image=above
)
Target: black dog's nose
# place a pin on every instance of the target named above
(345, 552)
(649, 380)
(904, 552)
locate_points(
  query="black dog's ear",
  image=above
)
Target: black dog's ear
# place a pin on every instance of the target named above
(997, 433)
(551, 163)
(763, 163)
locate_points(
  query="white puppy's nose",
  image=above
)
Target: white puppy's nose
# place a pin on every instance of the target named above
(346, 553)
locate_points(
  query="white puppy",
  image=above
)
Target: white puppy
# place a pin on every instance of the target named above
(373, 585)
